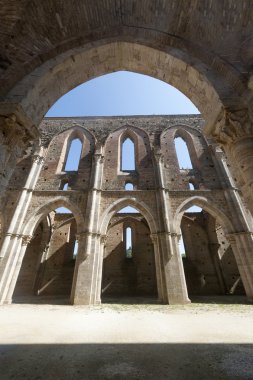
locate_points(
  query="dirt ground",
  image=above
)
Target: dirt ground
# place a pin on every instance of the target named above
(116, 341)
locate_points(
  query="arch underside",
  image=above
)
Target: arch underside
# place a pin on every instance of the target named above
(37, 92)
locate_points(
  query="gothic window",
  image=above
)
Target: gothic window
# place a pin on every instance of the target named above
(191, 186)
(74, 154)
(75, 250)
(128, 243)
(183, 156)
(65, 187)
(127, 155)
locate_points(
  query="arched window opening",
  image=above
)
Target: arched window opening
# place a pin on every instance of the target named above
(128, 209)
(74, 155)
(191, 186)
(127, 155)
(183, 156)
(62, 210)
(181, 245)
(75, 250)
(129, 243)
(129, 186)
(47, 267)
(209, 263)
(65, 187)
(194, 209)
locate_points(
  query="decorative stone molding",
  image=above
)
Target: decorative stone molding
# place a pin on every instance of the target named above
(154, 238)
(232, 237)
(232, 125)
(103, 239)
(98, 158)
(158, 154)
(38, 159)
(26, 239)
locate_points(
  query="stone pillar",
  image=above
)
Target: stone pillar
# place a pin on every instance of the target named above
(12, 242)
(171, 275)
(18, 259)
(242, 244)
(233, 130)
(174, 271)
(88, 270)
(160, 274)
(100, 268)
(214, 253)
(17, 138)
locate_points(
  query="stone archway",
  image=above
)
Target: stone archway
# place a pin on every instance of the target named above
(39, 249)
(129, 275)
(234, 237)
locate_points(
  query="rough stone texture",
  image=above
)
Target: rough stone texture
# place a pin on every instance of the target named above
(97, 192)
(123, 276)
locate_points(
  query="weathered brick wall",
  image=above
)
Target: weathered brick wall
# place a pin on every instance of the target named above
(228, 264)
(124, 276)
(50, 275)
(59, 266)
(202, 174)
(143, 175)
(200, 232)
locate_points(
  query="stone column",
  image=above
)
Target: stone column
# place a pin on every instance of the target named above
(160, 274)
(234, 131)
(86, 277)
(173, 285)
(18, 259)
(242, 243)
(214, 253)
(12, 243)
(100, 268)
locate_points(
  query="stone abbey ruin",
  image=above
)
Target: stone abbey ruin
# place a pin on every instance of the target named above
(40, 258)
(203, 48)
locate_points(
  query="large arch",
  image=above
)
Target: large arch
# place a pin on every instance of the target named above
(206, 205)
(124, 202)
(73, 68)
(41, 211)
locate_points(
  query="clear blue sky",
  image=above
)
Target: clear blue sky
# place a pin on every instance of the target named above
(122, 93)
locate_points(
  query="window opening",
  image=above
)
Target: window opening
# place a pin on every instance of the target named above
(181, 245)
(129, 186)
(74, 155)
(62, 210)
(191, 186)
(194, 209)
(65, 187)
(128, 209)
(183, 156)
(127, 155)
(129, 243)
(75, 250)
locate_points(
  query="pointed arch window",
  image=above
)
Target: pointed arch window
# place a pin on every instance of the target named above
(183, 156)
(74, 155)
(75, 249)
(127, 155)
(129, 243)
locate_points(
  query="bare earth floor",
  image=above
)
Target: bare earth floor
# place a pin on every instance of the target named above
(127, 341)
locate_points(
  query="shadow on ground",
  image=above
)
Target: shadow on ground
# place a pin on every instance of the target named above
(127, 361)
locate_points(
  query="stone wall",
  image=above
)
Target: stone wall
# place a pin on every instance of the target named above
(122, 275)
